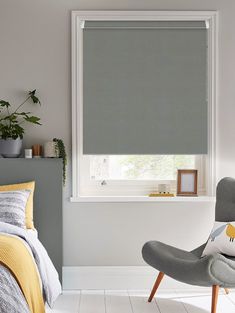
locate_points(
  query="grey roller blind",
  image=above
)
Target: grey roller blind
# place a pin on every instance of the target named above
(144, 87)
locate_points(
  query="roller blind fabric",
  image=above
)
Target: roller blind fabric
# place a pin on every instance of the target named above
(144, 87)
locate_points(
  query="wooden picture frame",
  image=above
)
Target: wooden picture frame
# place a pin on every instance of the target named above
(187, 182)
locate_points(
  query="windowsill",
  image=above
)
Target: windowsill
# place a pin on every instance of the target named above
(141, 199)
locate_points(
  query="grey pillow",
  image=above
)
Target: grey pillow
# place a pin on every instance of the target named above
(12, 207)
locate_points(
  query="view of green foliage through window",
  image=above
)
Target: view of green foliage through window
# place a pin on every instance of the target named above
(139, 167)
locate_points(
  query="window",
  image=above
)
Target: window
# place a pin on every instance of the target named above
(136, 174)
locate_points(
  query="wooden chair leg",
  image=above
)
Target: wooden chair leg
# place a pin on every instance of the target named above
(215, 292)
(226, 291)
(156, 285)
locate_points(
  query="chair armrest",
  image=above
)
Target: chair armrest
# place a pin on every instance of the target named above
(198, 251)
(214, 269)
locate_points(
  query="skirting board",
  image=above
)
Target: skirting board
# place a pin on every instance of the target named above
(116, 277)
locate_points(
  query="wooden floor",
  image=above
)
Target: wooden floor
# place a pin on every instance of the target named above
(128, 301)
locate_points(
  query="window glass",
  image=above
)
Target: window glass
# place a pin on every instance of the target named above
(139, 167)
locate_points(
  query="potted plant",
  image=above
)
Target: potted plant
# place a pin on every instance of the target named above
(11, 129)
(61, 153)
(56, 149)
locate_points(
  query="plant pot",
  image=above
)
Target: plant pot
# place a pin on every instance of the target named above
(10, 148)
(50, 150)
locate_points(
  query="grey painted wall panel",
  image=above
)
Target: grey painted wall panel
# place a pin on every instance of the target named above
(47, 174)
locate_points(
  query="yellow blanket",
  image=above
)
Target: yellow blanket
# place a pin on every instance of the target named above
(17, 258)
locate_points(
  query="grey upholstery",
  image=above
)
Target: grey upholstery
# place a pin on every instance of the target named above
(189, 267)
(225, 200)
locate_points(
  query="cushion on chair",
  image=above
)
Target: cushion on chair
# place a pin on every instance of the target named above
(188, 267)
(221, 239)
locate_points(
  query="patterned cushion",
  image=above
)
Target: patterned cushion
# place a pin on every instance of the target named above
(12, 207)
(29, 206)
(221, 239)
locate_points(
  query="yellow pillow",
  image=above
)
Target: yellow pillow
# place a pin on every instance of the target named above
(29, 206)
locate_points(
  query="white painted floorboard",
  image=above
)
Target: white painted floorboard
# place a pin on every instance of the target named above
(92, 299)
(169, 302)
(139, 302)
(201, 302)
(66, 303)
(130, 301)
(117, 302)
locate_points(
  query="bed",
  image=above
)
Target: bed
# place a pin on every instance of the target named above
(24, 247)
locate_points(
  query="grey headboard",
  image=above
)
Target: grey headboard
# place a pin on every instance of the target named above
(47, 174)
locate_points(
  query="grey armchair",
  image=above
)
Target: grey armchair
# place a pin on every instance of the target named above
(214, 270)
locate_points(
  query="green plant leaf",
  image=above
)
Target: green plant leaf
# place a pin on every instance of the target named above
(32, 119)
(4, 103)
(10, 123)
(12, 117)
(22, 113)
(34, 98)
(32, 92)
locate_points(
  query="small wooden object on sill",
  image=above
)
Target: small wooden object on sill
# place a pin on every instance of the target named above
(37, 151)
(160, 194)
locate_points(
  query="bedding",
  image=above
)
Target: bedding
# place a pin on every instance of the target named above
(15, 256)
(11, 240)
(11, 296)
(29, 206)
(12, 206)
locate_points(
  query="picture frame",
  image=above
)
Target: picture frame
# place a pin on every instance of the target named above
(187, 182)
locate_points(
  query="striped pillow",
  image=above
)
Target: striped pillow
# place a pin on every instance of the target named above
(12, 207)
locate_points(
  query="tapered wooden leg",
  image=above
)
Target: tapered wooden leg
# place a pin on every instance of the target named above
(226, 291)
(215, 292)
(156, 285)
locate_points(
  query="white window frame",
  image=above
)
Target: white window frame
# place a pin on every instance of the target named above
(128, 187)
(78, 19)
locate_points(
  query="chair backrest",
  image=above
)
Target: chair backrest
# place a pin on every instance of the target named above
(225, 200)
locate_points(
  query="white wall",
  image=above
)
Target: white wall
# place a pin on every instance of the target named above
(35, 53)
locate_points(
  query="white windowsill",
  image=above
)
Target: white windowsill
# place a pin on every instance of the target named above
(141, 199)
